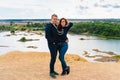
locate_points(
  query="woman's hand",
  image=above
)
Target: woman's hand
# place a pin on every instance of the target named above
(67, 40)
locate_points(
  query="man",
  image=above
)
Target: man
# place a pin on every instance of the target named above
(51, 36)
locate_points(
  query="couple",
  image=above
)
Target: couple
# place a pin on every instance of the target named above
(56, 36)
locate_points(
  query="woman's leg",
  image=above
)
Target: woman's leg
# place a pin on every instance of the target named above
(62, 50)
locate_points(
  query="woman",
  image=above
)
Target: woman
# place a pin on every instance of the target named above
(62, 44)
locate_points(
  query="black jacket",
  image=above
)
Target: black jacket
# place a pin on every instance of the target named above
(51, 33)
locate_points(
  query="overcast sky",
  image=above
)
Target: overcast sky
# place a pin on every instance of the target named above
(77, 9)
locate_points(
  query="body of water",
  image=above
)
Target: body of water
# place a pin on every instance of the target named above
(76, 46)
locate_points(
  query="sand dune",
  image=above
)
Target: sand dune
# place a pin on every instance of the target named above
(17, 65)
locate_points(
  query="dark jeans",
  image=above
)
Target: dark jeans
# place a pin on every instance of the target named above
(62, 48)
(53, 54)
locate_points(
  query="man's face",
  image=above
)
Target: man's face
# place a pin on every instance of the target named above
(54, 19)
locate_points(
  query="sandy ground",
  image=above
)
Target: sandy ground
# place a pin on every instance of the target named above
(18, 65)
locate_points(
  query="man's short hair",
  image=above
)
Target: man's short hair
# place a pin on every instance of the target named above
(54, 15)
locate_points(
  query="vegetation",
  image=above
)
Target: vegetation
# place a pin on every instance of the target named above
(107, 29)
(6, 28)
(35, 26)
(12, 32)
(104, 29)
(117, 56)
(26, 27)
(23, 39)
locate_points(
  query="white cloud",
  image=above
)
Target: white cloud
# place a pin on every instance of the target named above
(99, 9)
(64, 8)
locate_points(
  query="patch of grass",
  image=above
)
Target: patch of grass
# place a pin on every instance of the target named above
(23, 39)
(117, 56)
(82, 39)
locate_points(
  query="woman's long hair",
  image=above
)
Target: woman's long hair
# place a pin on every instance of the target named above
(60, 26)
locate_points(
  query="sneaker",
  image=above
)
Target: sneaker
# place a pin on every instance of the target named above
(56, 73)
(52, 75)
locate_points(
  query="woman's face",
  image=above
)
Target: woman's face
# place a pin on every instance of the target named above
(63, 23)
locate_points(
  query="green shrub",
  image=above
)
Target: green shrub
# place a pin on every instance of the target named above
(12, 32)
(23, 39)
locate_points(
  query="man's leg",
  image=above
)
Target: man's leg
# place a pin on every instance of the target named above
(53, 53)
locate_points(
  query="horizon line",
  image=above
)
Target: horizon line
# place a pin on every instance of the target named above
(49, 18)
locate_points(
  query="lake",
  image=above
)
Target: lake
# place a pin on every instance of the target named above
(76, 46)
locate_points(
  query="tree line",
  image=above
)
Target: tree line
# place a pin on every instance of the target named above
(104, 29)
(99, 28)
(29, 26)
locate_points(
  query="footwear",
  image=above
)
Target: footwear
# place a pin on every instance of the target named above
(63, 73)
(56, 73)
(52, 75)
(67, 70)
